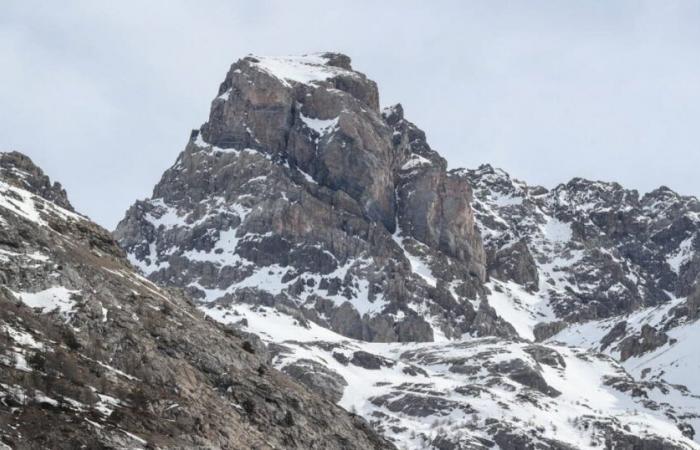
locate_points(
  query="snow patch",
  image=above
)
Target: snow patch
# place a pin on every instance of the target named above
(415, 161)
(52, 299)
(557, 231)
(682, 255)
(306, 69)
(320, 126)
(519, 307)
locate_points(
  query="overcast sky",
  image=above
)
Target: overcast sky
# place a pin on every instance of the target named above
(103, 95)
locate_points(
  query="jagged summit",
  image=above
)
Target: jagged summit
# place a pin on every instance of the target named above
(290, 148)
(273, 88)
(355, 199)
(19, 170)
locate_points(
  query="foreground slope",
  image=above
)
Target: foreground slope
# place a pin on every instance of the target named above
(95, 356)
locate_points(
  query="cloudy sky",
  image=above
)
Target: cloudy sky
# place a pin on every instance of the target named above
(103, 94)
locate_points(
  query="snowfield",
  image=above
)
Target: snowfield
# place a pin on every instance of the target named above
(463, 389)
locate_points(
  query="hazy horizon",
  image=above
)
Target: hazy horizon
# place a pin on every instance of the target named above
(103, 97)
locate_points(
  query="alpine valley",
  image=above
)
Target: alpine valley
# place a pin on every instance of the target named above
(310, 274)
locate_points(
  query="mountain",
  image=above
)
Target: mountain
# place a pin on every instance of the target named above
(616, 272)
(454, 309)
(600, 250)
(95, 356)
(300, 192)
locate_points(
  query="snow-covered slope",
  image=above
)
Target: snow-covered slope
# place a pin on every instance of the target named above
(475, 393)
(655, 344)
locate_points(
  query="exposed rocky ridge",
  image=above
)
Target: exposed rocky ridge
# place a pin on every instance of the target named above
(599, 250)
(299, 212)
(92, 355)
(17, 169)
(299, 187)
(616, 272)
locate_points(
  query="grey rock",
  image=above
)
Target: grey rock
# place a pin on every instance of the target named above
(19, 170)
(648, 339)
(515, 262)
(513, 439)
(545, 355)
(616, 333)
(545, 330)
(369, 361)
(521, 372)
(419, 405)
(317, 378)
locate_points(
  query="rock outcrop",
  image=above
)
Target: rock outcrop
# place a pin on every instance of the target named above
(17, 169)
(648, 339)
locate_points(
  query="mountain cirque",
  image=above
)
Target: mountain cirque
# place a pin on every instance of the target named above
(95, 356)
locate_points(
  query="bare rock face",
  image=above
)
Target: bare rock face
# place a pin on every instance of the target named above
(545, 330)
(317, 378)
(271, 104)
(616, 333)
(92, 355)
(297, 177)
(690, 309)
(648, 339)
(514, 262)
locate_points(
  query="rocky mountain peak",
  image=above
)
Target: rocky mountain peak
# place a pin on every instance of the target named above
(337, 60)
(393, 114)
(298, 171)
(586, 195)
(19, 170)
(665, 201)
(316, 113)
(497, 180)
